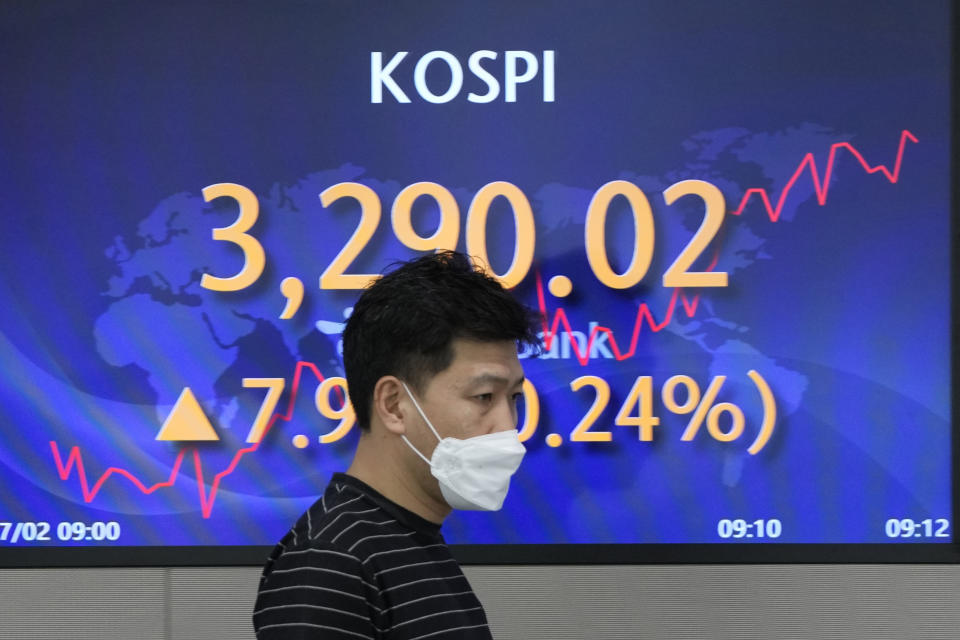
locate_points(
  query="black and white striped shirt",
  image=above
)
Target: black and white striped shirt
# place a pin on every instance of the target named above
(356, 565)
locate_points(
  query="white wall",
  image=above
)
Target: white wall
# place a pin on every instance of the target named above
(680, 602)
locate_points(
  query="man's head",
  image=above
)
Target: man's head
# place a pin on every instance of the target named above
(406, 324)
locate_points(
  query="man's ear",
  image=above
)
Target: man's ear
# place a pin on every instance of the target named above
(388, 394)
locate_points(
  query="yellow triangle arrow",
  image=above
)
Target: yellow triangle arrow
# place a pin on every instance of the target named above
(187, 421)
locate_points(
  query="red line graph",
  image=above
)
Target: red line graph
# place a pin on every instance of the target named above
(207, 498)
(822, 185)
(550, 330)
(644, 315)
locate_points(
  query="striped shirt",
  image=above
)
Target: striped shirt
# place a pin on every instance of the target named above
(356, 565)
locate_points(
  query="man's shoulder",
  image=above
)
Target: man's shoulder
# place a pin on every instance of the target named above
(314, 578)
(312, 586)
(347, 520)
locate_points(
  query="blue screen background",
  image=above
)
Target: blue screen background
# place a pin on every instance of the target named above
(114, 116)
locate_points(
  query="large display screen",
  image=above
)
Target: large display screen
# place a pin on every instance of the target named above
(735, 219)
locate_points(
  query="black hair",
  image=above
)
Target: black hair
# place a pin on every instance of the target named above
(405, 322)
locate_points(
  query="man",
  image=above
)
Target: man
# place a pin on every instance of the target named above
(430, 354)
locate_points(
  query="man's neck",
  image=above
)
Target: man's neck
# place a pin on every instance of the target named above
(386, 474)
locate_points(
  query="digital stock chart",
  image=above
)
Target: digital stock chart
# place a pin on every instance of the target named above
(742, 263)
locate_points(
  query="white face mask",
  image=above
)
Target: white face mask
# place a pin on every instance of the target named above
(474, 474)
